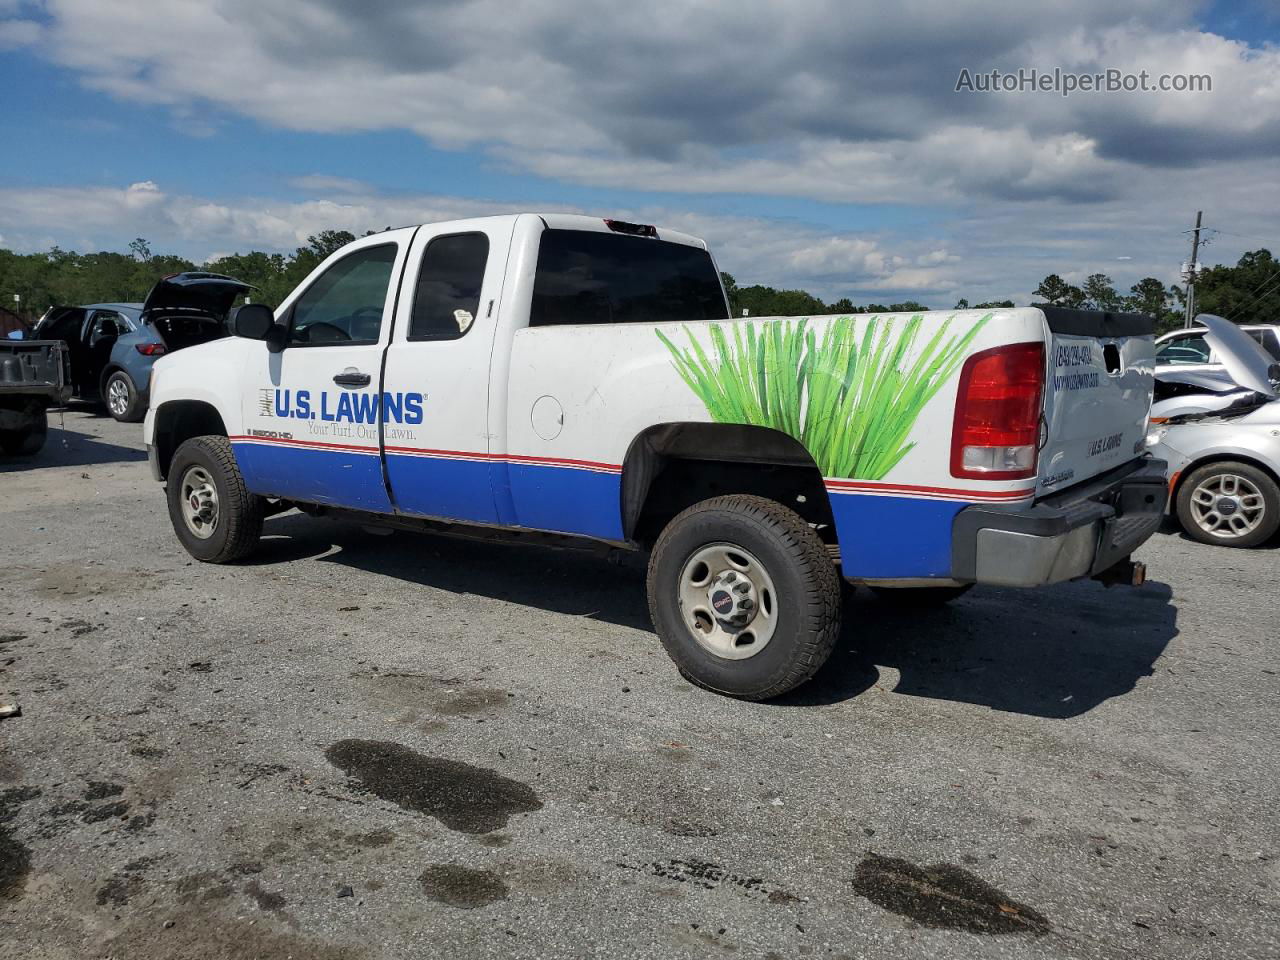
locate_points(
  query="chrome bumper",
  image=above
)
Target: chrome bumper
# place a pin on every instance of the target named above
(1080, 532)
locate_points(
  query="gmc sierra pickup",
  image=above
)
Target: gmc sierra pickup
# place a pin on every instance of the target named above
(565, 377)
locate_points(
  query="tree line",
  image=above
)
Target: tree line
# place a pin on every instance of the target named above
(1248, 292)
(58, 277)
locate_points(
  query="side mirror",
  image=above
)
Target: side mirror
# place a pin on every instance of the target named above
(254, 321)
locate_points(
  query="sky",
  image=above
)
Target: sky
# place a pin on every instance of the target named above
(813, 144)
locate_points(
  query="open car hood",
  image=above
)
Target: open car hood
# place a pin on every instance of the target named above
(190, 308)
(1243, 357)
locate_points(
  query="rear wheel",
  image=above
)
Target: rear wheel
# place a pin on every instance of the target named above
(920, 596)
(214, 516)
(121, 397)
(744, 596)
(1230, 504)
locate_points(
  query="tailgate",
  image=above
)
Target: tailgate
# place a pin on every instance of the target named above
(35, 367)
(1098, 393)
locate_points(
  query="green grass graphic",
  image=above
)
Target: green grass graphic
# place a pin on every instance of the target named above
(851, 400)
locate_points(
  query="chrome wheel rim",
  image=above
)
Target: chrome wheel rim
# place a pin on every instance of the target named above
(117, 397)
(1227, 506)
(199, 502)
(728, 601)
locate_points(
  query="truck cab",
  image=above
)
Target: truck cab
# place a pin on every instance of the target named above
(579, 380)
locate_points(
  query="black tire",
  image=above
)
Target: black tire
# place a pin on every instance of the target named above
(920, 596)
(1262, 481)
(29, 440)
(237, 527)
(804, 579)
(134, 410)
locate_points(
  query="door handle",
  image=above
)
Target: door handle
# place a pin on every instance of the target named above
(351, 377)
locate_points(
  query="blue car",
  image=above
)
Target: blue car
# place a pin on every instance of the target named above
(113, 345)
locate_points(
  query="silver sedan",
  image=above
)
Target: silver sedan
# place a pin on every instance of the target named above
(1222, 443)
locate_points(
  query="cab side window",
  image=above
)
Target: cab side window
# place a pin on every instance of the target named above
(446, 298)
(344, 306)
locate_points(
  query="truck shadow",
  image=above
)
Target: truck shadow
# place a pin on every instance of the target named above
(70, 448)
(572, 582)
(1056, 652)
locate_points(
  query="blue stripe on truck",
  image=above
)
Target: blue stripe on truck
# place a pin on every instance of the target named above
(567, 499)
(886, 531)
(446, 488)
(346, 476)
(885, 537)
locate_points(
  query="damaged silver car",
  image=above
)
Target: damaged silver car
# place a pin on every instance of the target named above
(1219, 431)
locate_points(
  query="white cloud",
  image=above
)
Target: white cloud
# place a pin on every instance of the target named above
(18, 33)
(324, 183)
(828, 100)
(822, 99)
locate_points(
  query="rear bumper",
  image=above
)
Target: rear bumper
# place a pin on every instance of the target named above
(1076, 533)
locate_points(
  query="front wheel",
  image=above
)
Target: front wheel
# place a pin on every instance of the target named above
(217, 519)
(121, 396)
(1229, 504)
(744, 596)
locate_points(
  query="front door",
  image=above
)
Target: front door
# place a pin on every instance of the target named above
(440, 463)
(312, 423)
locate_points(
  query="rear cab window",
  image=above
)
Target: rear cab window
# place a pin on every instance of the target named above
(587, 277)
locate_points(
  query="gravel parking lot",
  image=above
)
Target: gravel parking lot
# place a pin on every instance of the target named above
(374, 746)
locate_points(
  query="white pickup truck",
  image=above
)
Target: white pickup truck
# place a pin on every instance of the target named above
(560, 377)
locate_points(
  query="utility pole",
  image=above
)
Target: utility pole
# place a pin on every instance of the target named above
(1192, 268)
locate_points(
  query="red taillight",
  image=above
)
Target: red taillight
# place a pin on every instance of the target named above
(149, 349)
(997, 426)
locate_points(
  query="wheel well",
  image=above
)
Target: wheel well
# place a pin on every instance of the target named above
(1186, 471)
(178, 421)
(107, 371)
(672, 466)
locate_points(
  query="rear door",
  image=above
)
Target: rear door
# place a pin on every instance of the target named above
(105, 328)
(1097, 396)
(439, 450)
(313, 411)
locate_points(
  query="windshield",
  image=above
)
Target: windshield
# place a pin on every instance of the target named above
(1184, 350)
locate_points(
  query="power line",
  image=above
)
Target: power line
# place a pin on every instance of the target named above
(1242, 236)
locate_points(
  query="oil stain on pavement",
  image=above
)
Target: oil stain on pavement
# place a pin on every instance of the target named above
(942, 895)
(462, 797)
(457, 886)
